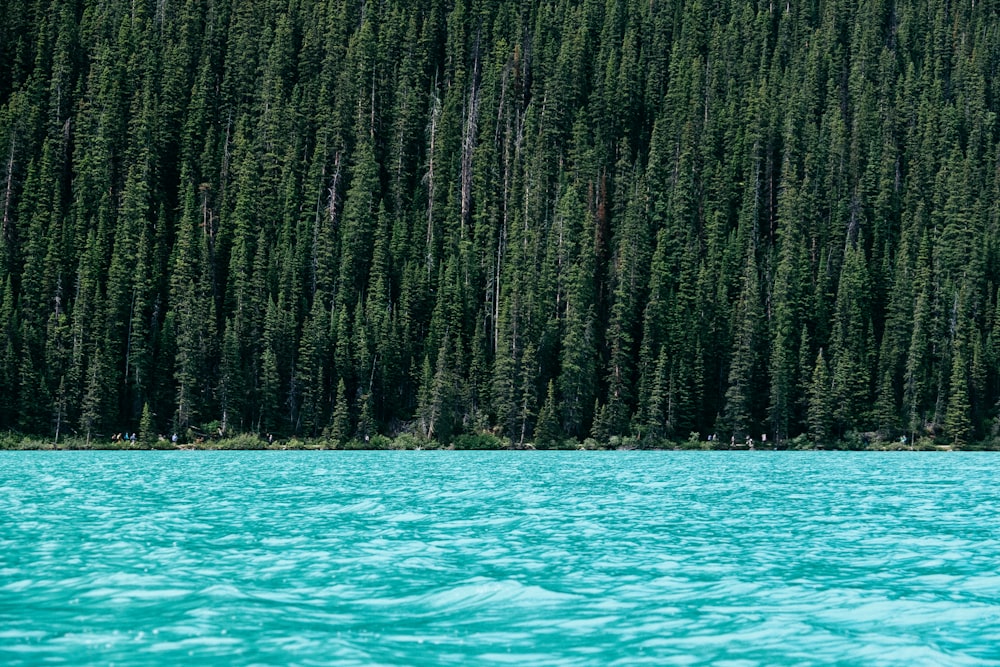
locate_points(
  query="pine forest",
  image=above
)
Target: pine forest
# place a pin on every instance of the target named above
(501, 221)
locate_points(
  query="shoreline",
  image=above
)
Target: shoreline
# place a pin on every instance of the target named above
(15, 442)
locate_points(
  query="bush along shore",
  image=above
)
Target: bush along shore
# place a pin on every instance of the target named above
(12, 441)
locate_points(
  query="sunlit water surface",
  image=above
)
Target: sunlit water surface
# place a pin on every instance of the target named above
(436, 558)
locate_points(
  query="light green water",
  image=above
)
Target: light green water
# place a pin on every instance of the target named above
(436, 558)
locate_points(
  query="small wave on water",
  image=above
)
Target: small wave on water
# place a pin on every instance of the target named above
(437, 558)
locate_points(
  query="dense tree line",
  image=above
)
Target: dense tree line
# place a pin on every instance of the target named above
(544, 220)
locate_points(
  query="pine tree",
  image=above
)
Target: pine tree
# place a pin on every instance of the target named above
(739, 410)
(852, 357)
(821, 402)
(359, 222)
(578, 359)
(192, 313)
(8, 376)
(958, 414)
(147, 427)
(310, 369)
(340, 424)
(547, 428)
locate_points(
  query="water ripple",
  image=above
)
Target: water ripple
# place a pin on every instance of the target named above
(499, 558)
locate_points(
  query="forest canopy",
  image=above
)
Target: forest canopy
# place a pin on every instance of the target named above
(542, 220)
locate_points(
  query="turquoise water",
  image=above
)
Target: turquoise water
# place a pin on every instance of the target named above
(438, 558)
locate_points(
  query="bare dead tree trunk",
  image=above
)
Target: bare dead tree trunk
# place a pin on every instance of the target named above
(333, 196)
(429, 177)
(8, 196)
(469, 142)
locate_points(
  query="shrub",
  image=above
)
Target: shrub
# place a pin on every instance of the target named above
(408, 441)
(241, 441)
(801, 441)
(478, 441)
(323, 442)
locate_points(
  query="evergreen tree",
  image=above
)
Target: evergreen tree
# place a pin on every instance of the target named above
(340, 425)
(957, 422)
(666, 211)
(547, 428)
(739, 411)
(821, 402)
(147, 427)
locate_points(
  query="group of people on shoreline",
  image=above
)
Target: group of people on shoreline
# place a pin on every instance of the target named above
(131, 438)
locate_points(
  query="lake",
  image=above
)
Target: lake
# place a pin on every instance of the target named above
(507, 558)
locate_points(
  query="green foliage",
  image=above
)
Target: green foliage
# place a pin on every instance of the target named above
(147, 428)
(547, 428)
(821, 402)
(340, 426)
(540, 220)
(478, 441)
(242, 441)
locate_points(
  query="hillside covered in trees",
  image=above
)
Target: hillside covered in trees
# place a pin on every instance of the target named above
(542, 220)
